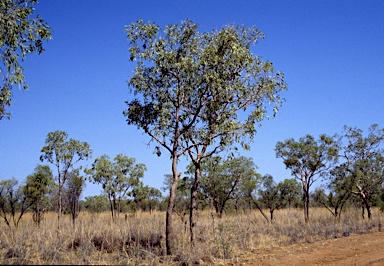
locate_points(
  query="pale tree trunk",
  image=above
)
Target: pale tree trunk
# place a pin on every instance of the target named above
(365, 202)
(59, 203)
(169, 235)
(192, 212)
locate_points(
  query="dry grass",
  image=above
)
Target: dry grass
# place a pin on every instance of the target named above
(139, 240)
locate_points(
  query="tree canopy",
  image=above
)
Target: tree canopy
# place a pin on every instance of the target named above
(20, 34)
(117, 177)
(308, 159)
(193, 87)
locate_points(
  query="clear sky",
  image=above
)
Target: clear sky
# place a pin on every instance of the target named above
(331, 52)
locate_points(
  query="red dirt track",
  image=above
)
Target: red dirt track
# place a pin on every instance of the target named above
(367, 249)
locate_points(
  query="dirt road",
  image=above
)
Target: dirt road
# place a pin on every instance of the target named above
(367, 249)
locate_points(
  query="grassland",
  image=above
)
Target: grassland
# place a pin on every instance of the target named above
(138, 239)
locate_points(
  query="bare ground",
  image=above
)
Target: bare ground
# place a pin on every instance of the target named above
(367, 249)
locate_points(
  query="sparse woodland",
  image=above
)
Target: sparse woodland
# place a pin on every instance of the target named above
(139, 240)
(192, 88)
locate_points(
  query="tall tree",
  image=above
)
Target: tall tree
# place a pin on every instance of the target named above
(193, 88)
(36, 189)
(63, 154)
(21, 33)
(308, 159)
(363, 160)
(182, 196)
(117, 178)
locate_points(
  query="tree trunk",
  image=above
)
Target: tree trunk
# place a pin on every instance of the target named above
(111, 205)
(192, 213)
(59, 206)
(306, 206)
(259, 208)
(169, 235)
(367, 205)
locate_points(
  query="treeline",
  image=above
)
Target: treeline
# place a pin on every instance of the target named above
(352, 175)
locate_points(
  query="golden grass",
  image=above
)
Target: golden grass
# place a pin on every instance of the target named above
(138, 240)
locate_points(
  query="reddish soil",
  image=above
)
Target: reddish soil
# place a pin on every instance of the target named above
(367, 249)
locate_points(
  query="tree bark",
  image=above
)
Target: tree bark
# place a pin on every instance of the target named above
(169, 235)
(306, 206)
(59, 206)
(192, 213)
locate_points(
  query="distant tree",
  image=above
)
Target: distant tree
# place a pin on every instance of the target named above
(290, 190)
(145, 197)
(363, 162)
(36, 190)
(182, 197)
(308, 159)
(340, 186)
(63, 154)
(222, 179)
(193, 88)
(73, 189)
(117, 178)
(20, 34)
(270, 195)
(97, 204)
(13, 202)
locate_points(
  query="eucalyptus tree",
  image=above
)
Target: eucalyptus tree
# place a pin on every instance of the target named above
(117, 177)
(340, 186)
(200, 93)
(290, 190)
(182, 196)
(97, 204)
(362, 158)
(145, 197)
(36, 189)
(270, 194)
(63, 154)
(223, 178)
(308, 159)
(74, 187)
(21, 33)
(14, 202)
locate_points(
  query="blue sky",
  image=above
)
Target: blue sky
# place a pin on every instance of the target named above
(331, 52)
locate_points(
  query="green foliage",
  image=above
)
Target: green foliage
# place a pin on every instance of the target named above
(20, 34)
(36, 190)
(97, 204)
(193, 87)
(145, 198)
(73, 189)
(224, 180)
(118, 178)
(362, 162)
(270, 195)
(291, 192)
(63, 154)
(308, 159)
(194, 84)
(13, 202)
